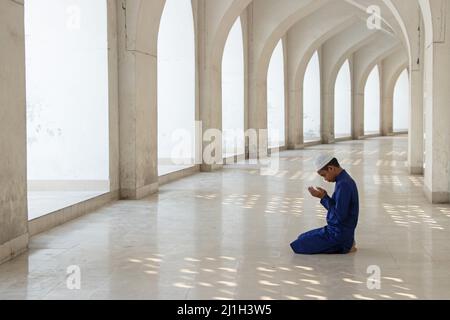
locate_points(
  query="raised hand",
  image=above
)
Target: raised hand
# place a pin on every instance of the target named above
(317, 192)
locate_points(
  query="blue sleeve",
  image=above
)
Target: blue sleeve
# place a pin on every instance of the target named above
(327, 202)
(340, 208)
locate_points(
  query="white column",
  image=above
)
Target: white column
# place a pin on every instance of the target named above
(138, 98)
(210, 85)
(436, 105)
(327, 100)
(294, 97)
(416, 125)
(416, 114)
(13, 141)
(257, 98)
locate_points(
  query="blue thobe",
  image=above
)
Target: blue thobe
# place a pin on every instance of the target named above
(343, 210)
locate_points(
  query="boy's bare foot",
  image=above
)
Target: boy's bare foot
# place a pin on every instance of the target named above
(354, 249)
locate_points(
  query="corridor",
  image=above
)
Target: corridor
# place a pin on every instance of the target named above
(226, 234)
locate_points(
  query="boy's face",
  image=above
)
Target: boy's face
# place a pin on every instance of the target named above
(328, 174)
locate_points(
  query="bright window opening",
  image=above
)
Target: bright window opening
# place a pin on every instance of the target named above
(312, 101)
(401, 103)
(67, 103)
(276, 99)
(233, 142)
(372, 103)
(343, 103)
(176, 88)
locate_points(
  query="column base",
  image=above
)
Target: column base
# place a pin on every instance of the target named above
(416, 170)
(13, 248)
(140, 193)
(437, 197)
(296, 146)
(328, 139)
(210, 167)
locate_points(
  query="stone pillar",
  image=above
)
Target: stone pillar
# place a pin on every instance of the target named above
(246, 21)
(386, 103)
(416, 125)
(257, 98)
(410, 12)
(327, 100)
(294, 98)
(387, 112)
(13, 140)
(286, 91)
(138, 97)
(210, 87)
(326, 94)
(295, 140)
(416, 114)
(436, 103)
(357, 102)
(113, 98)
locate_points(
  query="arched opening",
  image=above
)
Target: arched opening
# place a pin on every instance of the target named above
(343, 103)
(312, 100)
(233, 142)
(67, 103)
(401, 103)
(372, 103)
(176, 88)
(276, 98)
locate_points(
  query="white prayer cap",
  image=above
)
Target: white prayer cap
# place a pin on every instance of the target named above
(322, 160)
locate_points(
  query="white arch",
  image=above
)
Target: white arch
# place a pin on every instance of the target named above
(334, 53)
(395, 12)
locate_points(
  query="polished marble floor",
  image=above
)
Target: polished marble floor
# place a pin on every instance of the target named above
(226, 235)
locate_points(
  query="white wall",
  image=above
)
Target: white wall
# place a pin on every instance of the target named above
(67, 89)
(275, 98)
(372, 103)
(311, 100)
(233, 93)
(401, 102)
(176, 85)
(343, 102)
